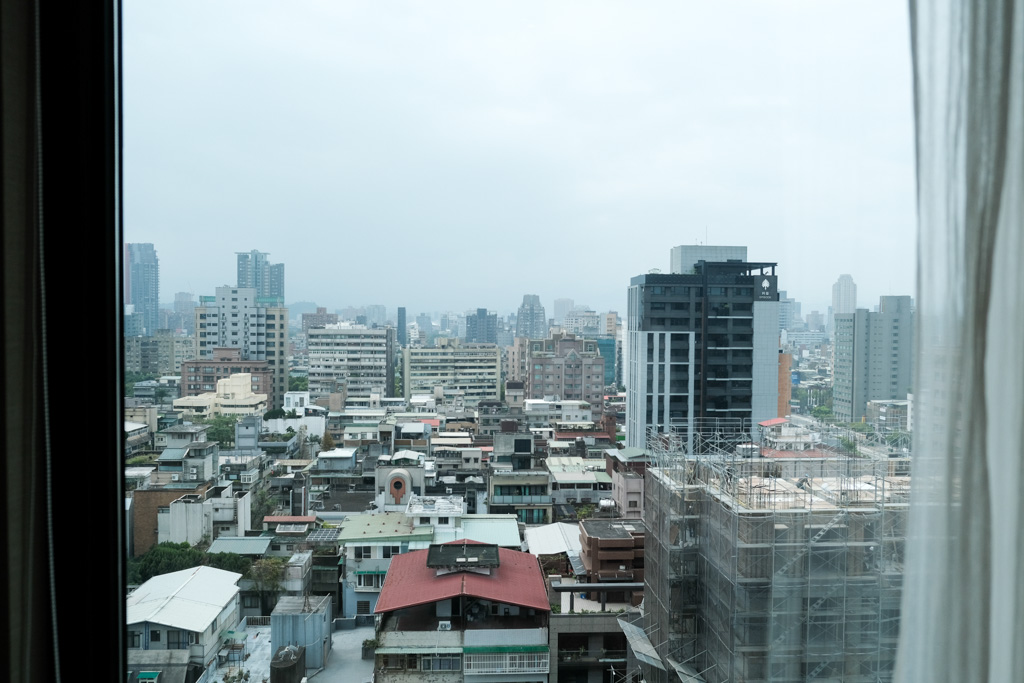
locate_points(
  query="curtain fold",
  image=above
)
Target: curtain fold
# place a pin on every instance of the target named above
(963, 601)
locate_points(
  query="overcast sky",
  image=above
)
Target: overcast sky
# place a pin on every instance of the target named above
(453, 155)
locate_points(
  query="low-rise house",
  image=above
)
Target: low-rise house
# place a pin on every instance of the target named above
(184, 610)
(204, 516)
(180, 436)
(136, 438)
(524, 493)
(613, 552)
(371, 541)
(463, 611)
(575, 480)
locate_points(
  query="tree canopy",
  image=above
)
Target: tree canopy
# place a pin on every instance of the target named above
(165, 558)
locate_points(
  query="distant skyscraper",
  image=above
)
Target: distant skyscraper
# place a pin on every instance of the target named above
(562, 307)
(703, 351)
(255, 271)
(184, 309)
(142, 284)
(844, 298)
(531, 321)
(482, 327)
(403, 331)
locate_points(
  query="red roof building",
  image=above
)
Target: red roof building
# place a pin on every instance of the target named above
(463, 608)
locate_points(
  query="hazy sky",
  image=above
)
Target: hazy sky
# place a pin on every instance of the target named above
(449, 155)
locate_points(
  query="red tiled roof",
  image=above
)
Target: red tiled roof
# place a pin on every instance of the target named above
(773, 422)
(516, 581)
(432, 423)
(289, 519)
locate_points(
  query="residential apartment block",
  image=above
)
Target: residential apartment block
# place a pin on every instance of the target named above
(565, 367)
(160, 354)
(257, 326)
(474, 369)
(351, 359)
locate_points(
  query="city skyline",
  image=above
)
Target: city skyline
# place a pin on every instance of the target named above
(361, 143)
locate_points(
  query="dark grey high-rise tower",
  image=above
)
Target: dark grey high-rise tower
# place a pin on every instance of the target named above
(403, 331)
(703, 351)
(142, 284)
(254, 270)
(482, 327)
(531, 321)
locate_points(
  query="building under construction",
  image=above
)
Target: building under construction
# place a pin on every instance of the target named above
(771, 568)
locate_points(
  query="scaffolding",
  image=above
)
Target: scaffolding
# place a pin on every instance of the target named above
(774, 569)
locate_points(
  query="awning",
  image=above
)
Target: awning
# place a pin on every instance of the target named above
(418, 650)
(641, 645)
(687, 674)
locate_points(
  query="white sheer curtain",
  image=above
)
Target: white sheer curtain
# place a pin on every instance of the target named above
(963, 603)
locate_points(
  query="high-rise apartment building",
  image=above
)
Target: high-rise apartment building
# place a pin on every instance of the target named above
(474, 369)
(565, 366)
(237, 317)
(142, 284)
(254, 270)
(318, 319)
(531, 321)
(703, 350)
(351, 359)
(873, 357)
(161, 354)
(482, 327)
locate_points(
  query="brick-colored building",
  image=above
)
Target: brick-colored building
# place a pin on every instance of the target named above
(146, 504)
(199, 376)
(613, 550)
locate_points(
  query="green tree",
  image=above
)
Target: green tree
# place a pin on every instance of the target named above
(163, 559)
(266, 576)
(130, 378)
(229, 562)
(327, 443)
(822, 412)
(261, 506)
(298, 384)
(275, 414)
(222, 429)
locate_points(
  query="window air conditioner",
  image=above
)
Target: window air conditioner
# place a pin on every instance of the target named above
(444, 626)
(193, 470)
(174, 477)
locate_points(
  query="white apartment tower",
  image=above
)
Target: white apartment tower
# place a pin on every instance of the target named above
(358, 358)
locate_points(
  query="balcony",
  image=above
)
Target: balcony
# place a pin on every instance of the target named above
(520, 500)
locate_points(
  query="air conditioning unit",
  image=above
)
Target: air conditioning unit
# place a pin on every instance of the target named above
(448, 490)
(444, 626)
(192, 477)
(174, 477)
(193, 470)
